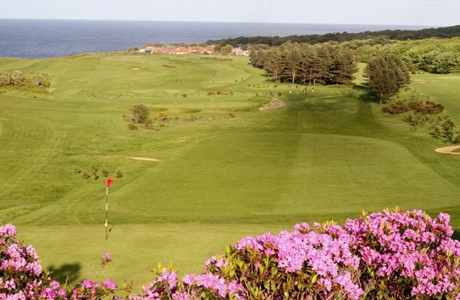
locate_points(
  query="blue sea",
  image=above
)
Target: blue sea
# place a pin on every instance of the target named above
(50, 38)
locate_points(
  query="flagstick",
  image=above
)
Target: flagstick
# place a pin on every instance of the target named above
(106, 212)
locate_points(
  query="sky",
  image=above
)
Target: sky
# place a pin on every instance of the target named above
(379, 12)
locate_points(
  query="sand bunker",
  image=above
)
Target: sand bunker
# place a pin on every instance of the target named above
(448, 150)
(273, 104)
(144, 158)
(419, 81)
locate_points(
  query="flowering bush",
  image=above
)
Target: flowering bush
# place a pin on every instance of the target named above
(22, 277)
(387, 255)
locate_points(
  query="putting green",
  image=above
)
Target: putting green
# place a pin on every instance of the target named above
(135, 249)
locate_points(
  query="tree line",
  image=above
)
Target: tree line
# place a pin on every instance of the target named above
(402, 35)
(331, 63)
(305, 63)
(440, 56)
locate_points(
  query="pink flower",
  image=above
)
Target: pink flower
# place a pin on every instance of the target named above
(189, 279)
(110, 285)
(8, 230)
(106, 258)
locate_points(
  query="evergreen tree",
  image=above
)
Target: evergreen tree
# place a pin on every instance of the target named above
(386, 74)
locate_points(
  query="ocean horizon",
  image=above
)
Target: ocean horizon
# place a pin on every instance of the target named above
(34, 38)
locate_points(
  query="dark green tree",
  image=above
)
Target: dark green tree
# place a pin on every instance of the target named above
(226, 50)
(343, 67)
(386, 74)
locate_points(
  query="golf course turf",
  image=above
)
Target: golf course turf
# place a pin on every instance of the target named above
(225, 169)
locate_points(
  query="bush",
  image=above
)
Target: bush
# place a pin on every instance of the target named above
(398, 107)
(5, 79)
(17, 78)
(388, 255)
(119, 173)
(163, 117)
(225, 93)
(132, 126)
(22, 276)
(140, 113)
(416, 120)
(191, 118)
(445, 130)
(413, 103)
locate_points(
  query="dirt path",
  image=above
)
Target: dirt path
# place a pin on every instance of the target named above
(448, 150)
(144, 158)
(273, 104)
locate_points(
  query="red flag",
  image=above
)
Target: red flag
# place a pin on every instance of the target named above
(108, 182)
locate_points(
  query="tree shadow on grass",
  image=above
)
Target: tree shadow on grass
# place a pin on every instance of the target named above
(364, 94)
(67, 273)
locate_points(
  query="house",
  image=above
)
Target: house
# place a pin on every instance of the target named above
(181, 51)
(240, 52)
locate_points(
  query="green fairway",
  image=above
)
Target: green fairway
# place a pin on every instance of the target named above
(228, 172)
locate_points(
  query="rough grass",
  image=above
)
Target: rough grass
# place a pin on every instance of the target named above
(328, 154)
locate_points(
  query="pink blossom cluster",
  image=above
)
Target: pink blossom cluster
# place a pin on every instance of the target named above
(411, 253)
(411, 247)
(22, 277)
(20, 270)
(392, 254)
(327, 254)
(92, 290)
(167, 286)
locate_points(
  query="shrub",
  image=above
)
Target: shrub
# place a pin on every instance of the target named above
(416, 120)
(85, 175)
(5, 79)
(132, 126)
(119, 173)
(149, 126)
(388, 255)
(398, 107)
(163, 117)
(413, 103)
(140, 113)
(224, 93)
(17, 78)
(191, 118)
(22, 276)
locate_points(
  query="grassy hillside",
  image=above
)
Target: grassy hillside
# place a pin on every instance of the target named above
(234, 171)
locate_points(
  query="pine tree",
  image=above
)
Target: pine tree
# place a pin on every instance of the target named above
(386, 74)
